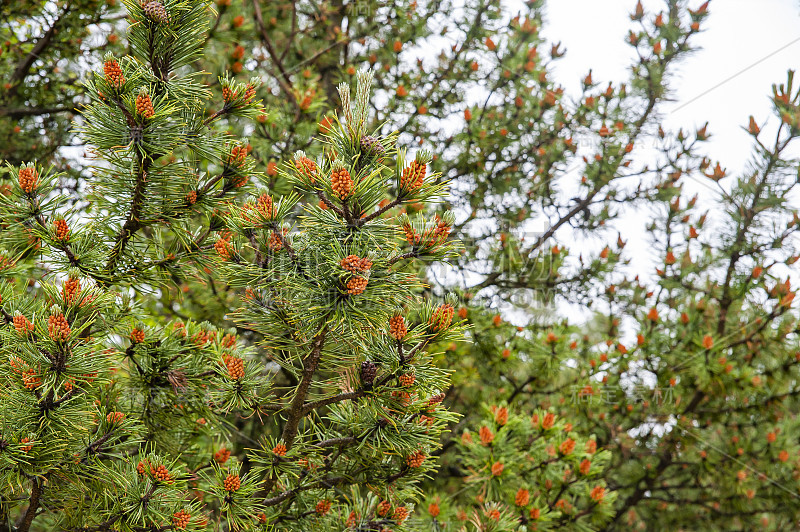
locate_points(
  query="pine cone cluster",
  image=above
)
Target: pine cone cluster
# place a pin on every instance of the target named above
(353, 263)
(522, 497)
(356, 286)
(275, 242)
(383, 508)
(180, 520)
(222, 455)
(441, 317)
(155, 11)
(238, 155)
(28, 179)
(30, 380)
(413, 176)
(232, 483)
(115, 417)
(61, 229)
(144, 105)
(58, 328)
(22, 325)
(323, 507)
(341, 183)
(223, 248)
(266, 206)
(397, 327)
(161, 473)
(415, 459)
(400, 514)
(25, 448)
(279, 449)
(137, 336)
(368, 372)
(249, 93)
(70, 290)
(228, 95)
(191, 197)
(235, 366)
(406, 380)
(306, 167)
(113, 73)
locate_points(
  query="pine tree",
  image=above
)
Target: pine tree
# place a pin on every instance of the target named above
(115, 419)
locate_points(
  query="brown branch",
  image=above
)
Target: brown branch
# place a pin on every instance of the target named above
(24, 524)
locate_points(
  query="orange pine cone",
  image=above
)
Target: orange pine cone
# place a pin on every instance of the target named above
(406, 380)
(442, 317)
(113, 73)
(279, 449)
(222, 455)
(522, 498)
(137, 336)
(228, 94)
(232, 483)
(22, 325)
(144, 105)
(235, 367)
(161, 473)
(323, 507)
(28, 179)
(354, 263)
(306, 167)
(400, 514)
(341, 183)
(181, 519)
(25, 448)
(70, 290)
(383, 508)
(223, 248)
(115, 417)
(61, 229)
(191, 197)
(58, 328)
(397, 327)
(415, 460)
(356, 286)
(413, 176)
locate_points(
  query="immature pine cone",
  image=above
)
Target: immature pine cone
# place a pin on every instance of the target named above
(306, 167)
(235, 367)
(341, 183)
(412, 176)
(415, 459)
(368, 372)
(161, 473)
(227, 94)
(154, 10)
(372, 147)
(61, 229)
(25, 448)
(115, 417)
(222, 455)
(137, 336)
(30, 380)
(279, 449)
(22, 325)
(522, 497)
(383, 508)
(442, 317)
(191, 197)
(250, 93)
(356, 286)
(70, 290)
(406, 380)
(28, 179)
(181, 519)
(113, 73)
(140, 469)
(58, 327)
(144, 105)
(323, 507)
(397, 327)
(223, 248)
(354, 263)
(400, 514)
(232, 483)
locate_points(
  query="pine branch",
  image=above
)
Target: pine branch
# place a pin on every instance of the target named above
(26, 519)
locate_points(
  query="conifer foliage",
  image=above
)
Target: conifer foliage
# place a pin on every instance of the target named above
(116, 419)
